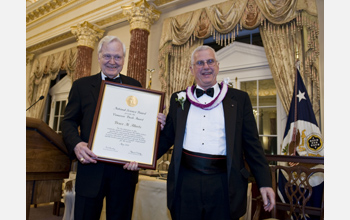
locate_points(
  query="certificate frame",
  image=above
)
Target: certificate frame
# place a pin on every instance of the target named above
(125, 127)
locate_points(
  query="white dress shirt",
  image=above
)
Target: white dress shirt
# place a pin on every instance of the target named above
(104, 76)
(205, 129)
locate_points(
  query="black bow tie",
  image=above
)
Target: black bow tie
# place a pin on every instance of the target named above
(209, 92)
(117, 80)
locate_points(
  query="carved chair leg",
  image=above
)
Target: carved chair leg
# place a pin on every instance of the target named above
(258, 208)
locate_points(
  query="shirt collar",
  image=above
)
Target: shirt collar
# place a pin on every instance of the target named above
(216, 87)
(103, 76)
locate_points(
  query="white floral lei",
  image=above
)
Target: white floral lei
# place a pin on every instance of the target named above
(210, 105)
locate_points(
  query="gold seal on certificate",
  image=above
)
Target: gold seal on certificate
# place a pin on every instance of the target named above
(131, 101)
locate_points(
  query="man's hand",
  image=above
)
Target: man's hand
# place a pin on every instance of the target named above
(161, 119)
(133, 166)
(84, 154)
(268, 196)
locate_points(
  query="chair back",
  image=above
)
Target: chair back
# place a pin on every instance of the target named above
(294, 180)
(296, 189)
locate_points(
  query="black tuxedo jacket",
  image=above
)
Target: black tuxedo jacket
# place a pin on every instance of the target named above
(242, 143)
(79, 114)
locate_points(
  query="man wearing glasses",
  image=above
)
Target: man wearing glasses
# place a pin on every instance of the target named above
(213, 130)
(97, 180)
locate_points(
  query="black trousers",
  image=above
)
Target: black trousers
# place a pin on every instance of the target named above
(201, 196)
(119, 195)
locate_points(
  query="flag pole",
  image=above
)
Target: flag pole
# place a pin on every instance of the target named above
(295, 99)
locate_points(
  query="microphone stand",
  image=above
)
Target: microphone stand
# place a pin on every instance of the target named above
(41, 97)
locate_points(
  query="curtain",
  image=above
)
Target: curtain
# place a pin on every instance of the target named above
(178, 73)
(42, 72)
(291, 27)
(183, 33)
(284, 26)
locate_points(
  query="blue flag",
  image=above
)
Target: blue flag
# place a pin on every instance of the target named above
(302, 137)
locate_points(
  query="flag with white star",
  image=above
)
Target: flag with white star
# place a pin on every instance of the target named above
(302, 136)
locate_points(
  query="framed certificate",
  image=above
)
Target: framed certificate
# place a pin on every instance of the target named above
(125, 126)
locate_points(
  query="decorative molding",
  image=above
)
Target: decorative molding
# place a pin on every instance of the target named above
(61, 12)
(162, 2)
(111, 20)
(245, 67)
(237, 46)
(50, 41)
(255, 54)
(141, 15)
(47, 9)
(62, 87)
(42, 13)
(87, 34)
(102, 23)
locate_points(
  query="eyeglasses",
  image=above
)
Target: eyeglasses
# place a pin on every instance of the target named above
(201, 63)
(109, 57)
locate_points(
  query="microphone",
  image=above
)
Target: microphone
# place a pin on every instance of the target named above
(41, 97)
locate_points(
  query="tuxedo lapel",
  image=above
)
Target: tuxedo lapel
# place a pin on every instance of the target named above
(230, 113)
(96, 85)
(123, 79)
(181, 119)
(127, 81)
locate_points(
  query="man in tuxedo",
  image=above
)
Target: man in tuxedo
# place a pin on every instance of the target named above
(96, 180)
(213, 131)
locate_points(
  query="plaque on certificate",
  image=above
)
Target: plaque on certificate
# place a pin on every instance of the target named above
(125, 127)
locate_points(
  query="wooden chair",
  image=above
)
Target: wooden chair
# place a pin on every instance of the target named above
(297, 189)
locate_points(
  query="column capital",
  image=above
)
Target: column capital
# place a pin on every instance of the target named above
(87, 34)
(141, 15)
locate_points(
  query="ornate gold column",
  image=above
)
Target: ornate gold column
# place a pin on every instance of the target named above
(141, 16)
(87, 34)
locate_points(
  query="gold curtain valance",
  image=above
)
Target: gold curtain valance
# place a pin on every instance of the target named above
(294, 20)
(224, 17)
(43, 71)
(202, 23)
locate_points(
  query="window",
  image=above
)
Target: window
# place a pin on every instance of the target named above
(251, 37)
(57, 116)
(57, 102)
(262, 94)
